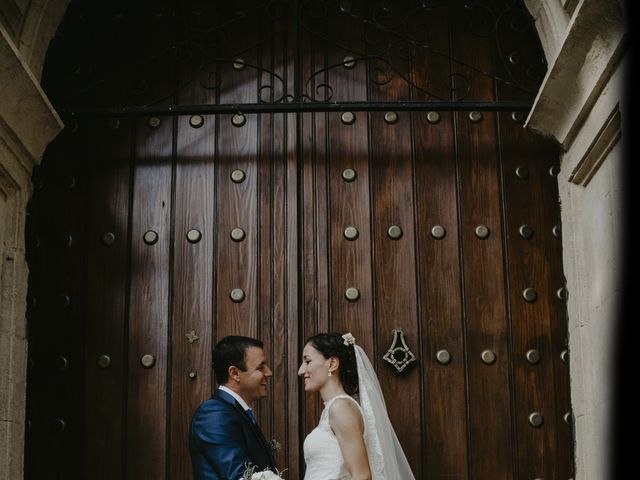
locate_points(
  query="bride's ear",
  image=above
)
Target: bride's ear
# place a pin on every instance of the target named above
(334, 363)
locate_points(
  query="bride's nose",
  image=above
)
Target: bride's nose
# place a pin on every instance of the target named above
(301, 370)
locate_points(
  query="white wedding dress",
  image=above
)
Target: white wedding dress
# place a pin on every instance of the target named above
(387, 461)
(322, 452)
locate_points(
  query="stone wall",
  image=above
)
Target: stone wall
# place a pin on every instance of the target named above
(27, 124)
(13, 282)
(582, 106)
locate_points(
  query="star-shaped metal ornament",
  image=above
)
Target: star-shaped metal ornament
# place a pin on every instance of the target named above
(191, 336)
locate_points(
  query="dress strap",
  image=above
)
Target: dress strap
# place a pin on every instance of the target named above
(329, 403)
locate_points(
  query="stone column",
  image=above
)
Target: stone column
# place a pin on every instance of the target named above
(28, 123)
(581, 105)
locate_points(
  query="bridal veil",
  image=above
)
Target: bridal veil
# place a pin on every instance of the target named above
(386, 457)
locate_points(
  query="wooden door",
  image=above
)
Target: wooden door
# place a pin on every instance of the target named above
(152, 236)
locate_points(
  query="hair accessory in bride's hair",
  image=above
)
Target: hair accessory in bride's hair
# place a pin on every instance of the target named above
(349, 339)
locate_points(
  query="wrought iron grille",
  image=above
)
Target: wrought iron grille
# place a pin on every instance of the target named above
(92, 68)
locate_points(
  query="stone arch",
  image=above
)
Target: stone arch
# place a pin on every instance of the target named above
(551, 22)
(40, 24)
(28, 123)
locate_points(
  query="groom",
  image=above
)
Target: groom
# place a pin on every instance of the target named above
(224, 437)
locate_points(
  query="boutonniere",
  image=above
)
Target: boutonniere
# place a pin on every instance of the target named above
(274, 445)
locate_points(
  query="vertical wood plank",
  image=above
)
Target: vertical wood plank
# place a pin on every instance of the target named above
(193, 300)
(440, 298)
(531, 198)
(149, 302)
(564, 452)
(292, 300)
(438, 259)
(531, 329)
(237, 262)
(315, 274)
(277, 244)
(107, 299)
(486, 322)
(348, 201)
(69, 353)
(294, 251)
(57, 311)
(394, 261)
(193, 283)
(45, 320)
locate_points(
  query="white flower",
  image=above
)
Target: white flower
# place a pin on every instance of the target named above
(251, 474)
(349, 339)
(265, 475)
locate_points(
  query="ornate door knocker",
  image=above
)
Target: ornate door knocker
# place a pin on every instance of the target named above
(399, 354)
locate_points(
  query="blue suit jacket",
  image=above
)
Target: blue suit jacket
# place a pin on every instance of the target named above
(223, 439)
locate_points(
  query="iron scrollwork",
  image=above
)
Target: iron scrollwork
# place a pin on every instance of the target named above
(395, 38)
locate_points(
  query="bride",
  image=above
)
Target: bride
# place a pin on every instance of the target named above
(354, 439)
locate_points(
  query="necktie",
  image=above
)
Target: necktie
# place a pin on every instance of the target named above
(250, 413)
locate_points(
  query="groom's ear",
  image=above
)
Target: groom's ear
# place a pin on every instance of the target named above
(233, 373)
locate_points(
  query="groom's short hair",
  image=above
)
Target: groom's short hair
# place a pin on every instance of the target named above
(231, 351)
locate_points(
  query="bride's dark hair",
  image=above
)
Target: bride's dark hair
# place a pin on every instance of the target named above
(332, 345)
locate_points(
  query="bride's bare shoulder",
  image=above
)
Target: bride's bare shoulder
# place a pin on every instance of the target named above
(345, 411)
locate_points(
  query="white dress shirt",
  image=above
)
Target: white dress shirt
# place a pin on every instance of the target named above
(236, 396)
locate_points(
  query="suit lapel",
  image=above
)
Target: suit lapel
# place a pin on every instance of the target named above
(222, 395)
